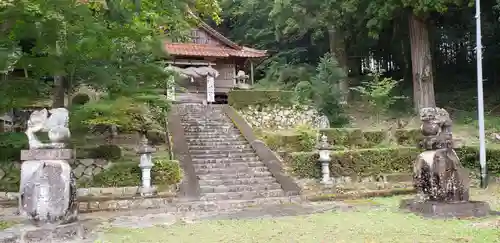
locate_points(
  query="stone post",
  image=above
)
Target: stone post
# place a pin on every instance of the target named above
(324, 149)
(146, 164)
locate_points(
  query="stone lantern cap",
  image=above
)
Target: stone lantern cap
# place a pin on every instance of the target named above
(324, 144)
(145, 148)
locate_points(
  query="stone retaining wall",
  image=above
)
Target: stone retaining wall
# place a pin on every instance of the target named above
(281, 117)
(82, 168)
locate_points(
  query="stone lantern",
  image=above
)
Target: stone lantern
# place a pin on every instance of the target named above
(324, 149)
(146, 164)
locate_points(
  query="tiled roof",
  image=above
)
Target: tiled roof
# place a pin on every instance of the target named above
(205, 50)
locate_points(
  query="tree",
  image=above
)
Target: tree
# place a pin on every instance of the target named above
(418, 13)
(330, 18)
(110, 45)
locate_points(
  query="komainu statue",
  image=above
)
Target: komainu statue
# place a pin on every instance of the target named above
(438, 174)
(47, 186)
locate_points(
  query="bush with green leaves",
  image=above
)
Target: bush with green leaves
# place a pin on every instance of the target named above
(109, 152)
(164, 173)
(378, 93)
(140, 114)
(80, 99)
(324, 90)
(11, 144)
(375, 161)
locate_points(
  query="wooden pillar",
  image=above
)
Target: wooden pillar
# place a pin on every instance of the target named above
(251, 73)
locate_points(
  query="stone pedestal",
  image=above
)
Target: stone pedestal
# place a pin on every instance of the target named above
(47, 187)
(435, 209)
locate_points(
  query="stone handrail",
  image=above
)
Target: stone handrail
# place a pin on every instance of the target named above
(266, 155)
(189, 187)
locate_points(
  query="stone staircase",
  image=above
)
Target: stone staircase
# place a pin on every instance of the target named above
(226, 165)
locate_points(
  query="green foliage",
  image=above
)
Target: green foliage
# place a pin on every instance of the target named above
(324, 90)
(372, 162)
(378, 93)
(106, 151)
(125, 113)
(109, 45)
(10, 180)
(11, 144)
(80, 99)
(408, 137)
(166, 172)
(156, 137)
(243, 98)
(306, 137)
(118, 175)
(354, 137)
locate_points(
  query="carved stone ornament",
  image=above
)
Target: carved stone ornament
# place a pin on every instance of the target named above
(55, 125)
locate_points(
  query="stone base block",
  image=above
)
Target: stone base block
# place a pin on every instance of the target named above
(435, 209)
(61, 233)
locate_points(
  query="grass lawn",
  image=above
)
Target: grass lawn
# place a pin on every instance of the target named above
(385, 224)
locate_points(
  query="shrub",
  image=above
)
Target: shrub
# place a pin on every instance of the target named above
(10, 180)
(374, 138)
(11, 144)
(80, 99)
(372, 162)
(118, 175)
(166, 172)
(105, 151)
(240, 99)
(156, 137)
(408, 137)
(306, 138)
(362, 162)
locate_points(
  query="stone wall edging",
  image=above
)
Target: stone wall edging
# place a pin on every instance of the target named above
(129, 191)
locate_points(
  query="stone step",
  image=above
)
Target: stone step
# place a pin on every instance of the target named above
(217, 143)
(223, 155)
(241, 181)
(221, 146)
(225, 160)
(222, 136)
(228, 165)
(222, 151)
(194, 139)
(240, 188)
(206, 124)
(212, 133)
(210, 129)
(242, 195)
(234, 170)
(236, 176)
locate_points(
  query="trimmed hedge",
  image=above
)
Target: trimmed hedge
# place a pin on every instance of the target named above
(164, 173)
(340, 138)
(374, 161)
(242, 98)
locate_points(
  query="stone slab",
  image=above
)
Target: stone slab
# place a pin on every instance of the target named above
(433, 209)
(46, 154)
(26, 233)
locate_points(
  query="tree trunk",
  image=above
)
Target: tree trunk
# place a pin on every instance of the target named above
(421, 60)
(338, 48)
(59, 92)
